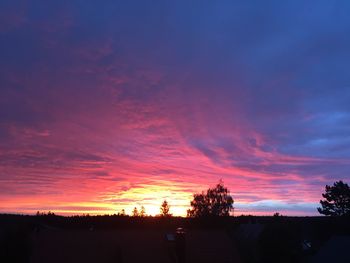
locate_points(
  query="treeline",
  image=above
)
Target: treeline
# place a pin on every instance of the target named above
(217, 202)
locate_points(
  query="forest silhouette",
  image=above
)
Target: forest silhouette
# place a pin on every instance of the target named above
(209, 225)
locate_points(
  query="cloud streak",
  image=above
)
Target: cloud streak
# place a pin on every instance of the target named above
(111, 105)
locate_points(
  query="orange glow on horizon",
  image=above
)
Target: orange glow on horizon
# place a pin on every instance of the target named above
(151, 198)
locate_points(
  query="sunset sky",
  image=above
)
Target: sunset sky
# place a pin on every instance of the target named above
(107, 105)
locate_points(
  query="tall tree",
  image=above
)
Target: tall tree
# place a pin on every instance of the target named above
(215, 201)
(135, 212)
(337, 200)
(143, 211)
(164, 209)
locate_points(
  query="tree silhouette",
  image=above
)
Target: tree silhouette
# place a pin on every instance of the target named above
(122, 213)
(142, 212)
(337, 200)
(164, 209)
(215, 202)
(135, 212)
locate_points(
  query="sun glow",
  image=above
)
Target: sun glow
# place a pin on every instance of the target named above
(151, 198)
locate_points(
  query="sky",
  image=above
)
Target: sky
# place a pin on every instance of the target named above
(108, 105)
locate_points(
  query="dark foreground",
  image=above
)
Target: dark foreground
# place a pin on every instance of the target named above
(125, 239)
